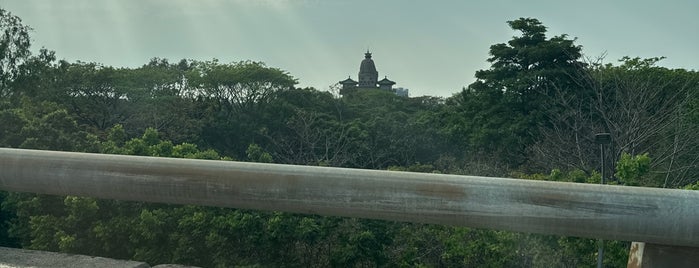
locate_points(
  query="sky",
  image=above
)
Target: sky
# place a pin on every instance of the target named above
(430, 47)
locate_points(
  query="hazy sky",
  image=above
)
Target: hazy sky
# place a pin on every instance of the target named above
(430, 47)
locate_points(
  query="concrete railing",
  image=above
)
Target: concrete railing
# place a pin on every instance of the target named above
(661, 216)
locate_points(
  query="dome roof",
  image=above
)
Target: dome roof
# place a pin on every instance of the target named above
(367, 66)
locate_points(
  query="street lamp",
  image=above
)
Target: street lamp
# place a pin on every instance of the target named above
(601, 139)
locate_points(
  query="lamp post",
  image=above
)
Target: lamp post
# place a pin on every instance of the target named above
(601, 139)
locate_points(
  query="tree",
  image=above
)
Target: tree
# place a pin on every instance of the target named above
(256, 154)
(99, 227)
(645, 108)
(39, 77)
(304, 126)
(198, 110)
(631, 169)
(388, 130)
(14, 49)
(42, 125)
(233, 97)
(160, 97)
(239, 87)
(96, 95)
(497, 115)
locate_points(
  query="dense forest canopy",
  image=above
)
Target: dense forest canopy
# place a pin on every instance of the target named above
(531, 115)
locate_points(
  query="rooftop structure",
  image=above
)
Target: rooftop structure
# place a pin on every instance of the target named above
(368, 78)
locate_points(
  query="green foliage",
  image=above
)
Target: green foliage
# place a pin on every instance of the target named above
(575, 175)
(116, 135)
(14, 49)
(150, 144)
(105, 227)
(391, 130)
(43, 125)
(236, 96)
(247, 110)
(498, 115)
(7, 215)
(631, 170)
(256, 154)
(161, 97)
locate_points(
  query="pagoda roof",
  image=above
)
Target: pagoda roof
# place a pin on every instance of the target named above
(348, 81)
(385, 81)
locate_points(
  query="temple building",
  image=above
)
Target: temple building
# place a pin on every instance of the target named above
(368, 78)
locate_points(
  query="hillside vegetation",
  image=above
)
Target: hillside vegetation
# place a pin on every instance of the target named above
(531, 115)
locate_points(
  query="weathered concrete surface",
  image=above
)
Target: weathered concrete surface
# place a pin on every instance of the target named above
(21, 258)
(660, 216)
(646, 255)
(173, 266)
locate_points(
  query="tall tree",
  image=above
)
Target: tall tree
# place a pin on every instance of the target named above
(39, 77)
(497, 115)
(97, 95)
(14, 48)
(160, 97)
(239, 87)
(234, 96)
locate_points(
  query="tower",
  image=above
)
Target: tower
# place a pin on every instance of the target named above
(368, 76)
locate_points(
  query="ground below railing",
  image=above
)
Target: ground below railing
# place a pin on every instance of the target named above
(22, 258)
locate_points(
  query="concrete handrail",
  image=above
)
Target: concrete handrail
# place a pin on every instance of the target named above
(661, 216)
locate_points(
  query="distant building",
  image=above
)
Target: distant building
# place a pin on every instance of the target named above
(403, 92)
(368, 79)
